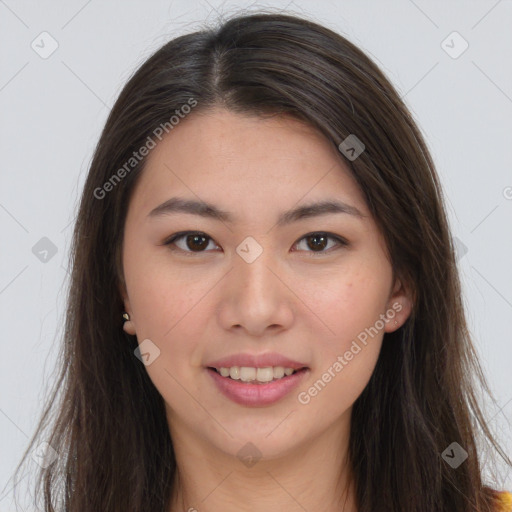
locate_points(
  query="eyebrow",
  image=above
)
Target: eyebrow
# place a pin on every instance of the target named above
(207, 210)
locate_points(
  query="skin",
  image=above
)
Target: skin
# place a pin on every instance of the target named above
(305, 304)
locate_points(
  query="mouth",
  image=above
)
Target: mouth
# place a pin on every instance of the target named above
(257, 387)
(257, 376)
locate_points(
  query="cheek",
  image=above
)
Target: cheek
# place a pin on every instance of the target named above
(168, 312)
(162, 296)
(171, 315)
(347, 302)
(347, 351)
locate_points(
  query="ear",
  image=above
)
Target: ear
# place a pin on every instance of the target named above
(128, 325)
(399, 306)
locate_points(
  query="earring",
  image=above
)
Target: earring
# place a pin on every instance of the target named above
(128, 326)
(396, 322)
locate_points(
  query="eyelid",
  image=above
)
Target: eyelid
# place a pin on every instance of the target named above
(342, 242)
(181, 234)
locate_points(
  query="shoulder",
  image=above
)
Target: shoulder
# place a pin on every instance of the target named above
(505, 501)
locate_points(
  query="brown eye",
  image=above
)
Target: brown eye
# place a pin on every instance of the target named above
(197, 242)
(194, 242)
(318, 241)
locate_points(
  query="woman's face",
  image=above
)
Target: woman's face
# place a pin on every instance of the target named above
(252, 289)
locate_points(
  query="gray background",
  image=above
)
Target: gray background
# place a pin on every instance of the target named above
(53, 108)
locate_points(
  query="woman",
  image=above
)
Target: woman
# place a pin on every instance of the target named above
(264, 217)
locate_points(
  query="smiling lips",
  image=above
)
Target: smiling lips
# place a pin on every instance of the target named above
(255, 375)
(256, 361)
(256, 368)
(256, 380)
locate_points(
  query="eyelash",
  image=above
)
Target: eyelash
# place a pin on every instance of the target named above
(182, 234)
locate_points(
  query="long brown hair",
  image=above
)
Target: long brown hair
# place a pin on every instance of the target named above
(110, 430)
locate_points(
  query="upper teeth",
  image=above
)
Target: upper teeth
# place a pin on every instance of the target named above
(247, 374)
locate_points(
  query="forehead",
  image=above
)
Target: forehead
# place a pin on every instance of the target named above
(243, 161)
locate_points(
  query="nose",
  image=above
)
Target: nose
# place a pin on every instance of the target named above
(256, 297)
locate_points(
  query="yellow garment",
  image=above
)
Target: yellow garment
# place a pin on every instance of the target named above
(506, 502)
